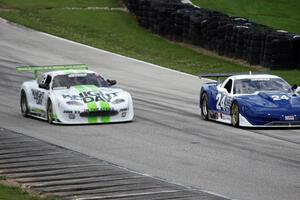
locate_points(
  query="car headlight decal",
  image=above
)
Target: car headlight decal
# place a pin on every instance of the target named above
(74, 103)
(118, 101)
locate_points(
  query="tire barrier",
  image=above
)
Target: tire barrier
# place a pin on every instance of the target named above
(233, 37)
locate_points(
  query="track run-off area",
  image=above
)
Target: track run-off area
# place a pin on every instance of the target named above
(167, 138)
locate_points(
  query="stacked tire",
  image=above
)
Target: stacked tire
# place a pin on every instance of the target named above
(233, 37)
(278, 51)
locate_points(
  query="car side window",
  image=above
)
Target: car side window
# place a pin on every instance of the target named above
(228, 86)
(48, 80)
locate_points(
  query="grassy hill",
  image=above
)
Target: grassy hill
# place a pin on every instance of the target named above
(49, 4)
(280, 14)
(118, 31)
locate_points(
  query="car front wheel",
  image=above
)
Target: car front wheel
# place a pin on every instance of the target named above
(24, 104)
(50, 113)
(235, 120)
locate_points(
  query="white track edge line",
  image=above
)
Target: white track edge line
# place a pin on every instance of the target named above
(105, 51)
(101, 50)
(128, 195)
(115, 54)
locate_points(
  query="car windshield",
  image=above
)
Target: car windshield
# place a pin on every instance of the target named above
(69, 80)
(249, 86)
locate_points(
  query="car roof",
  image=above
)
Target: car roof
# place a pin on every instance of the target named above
(253, 76)
(68, 71)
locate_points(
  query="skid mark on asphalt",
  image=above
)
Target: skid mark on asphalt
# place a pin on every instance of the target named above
(277, 137)
(53, 170)
(220, 140)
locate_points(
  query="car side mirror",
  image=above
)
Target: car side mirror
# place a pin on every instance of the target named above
(111, 82)
(44, 86)
(294, 87)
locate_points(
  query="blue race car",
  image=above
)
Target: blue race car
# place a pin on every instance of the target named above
(250, 101)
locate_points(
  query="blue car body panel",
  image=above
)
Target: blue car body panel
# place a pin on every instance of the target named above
(258, 109)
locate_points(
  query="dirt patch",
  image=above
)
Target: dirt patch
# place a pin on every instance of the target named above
(12, 183)
(9, 183)
(7, 10)
(94, 8)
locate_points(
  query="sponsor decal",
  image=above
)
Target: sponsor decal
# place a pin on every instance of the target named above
(38, 112)
(213, 115)
(68, 111)
(95, 100)
(38, 96)
(223, 102)
(290, 117)
(104, 108)
(226, 117)
(71, 97)
(77, 75)
(91, 96)
(71, 116)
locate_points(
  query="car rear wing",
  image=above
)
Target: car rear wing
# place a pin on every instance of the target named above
(222, 75)
(215, 75)
(37, 69)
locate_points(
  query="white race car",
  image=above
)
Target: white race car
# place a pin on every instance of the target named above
(72, 94)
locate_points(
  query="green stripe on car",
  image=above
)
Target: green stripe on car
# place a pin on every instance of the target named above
(91, 106)
(106, 107)
(103, 105)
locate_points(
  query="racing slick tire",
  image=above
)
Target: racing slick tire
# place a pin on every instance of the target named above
(49, 112)
(204, 106)
(24, 104)
(235, 119)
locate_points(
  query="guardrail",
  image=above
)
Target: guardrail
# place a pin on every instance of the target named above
(232, 37)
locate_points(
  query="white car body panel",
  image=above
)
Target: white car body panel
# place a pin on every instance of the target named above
(70, 104)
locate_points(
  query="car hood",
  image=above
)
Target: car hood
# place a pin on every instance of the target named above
(272, 100)
(90, 93)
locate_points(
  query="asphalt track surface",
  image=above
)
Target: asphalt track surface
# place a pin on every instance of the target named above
(55, 171)
(167, 138)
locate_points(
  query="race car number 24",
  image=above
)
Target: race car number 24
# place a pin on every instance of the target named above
(277, 97)
(220, 102)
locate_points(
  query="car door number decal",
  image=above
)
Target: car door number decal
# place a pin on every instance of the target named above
(220, 102)
(38, 96)
(278, 98)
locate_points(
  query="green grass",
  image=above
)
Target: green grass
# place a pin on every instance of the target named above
(15, 193)
(48, 4)
(280, 14)
(118, 32)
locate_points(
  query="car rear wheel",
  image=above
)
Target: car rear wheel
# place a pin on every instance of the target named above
(24, 104)
(204, 106)
(49, 113)
(235, 120)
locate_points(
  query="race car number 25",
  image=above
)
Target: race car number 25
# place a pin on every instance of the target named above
(220, 102)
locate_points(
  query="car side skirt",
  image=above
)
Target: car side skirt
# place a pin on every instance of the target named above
(243, 122)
